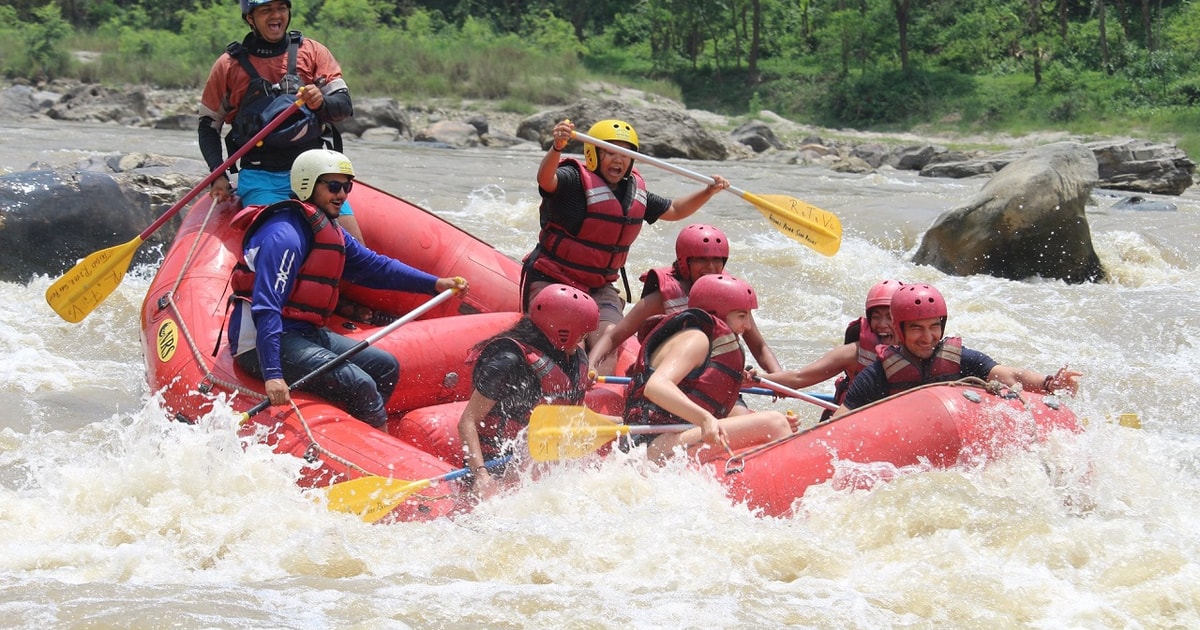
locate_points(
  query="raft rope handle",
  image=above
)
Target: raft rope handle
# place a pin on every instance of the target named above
(737, 463)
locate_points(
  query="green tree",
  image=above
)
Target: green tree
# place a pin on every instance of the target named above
(44, 37)
(903, 13)
(352, 14)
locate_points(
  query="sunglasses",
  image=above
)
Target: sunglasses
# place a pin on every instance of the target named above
(337, 187)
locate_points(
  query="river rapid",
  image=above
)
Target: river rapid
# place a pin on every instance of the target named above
(111, 516)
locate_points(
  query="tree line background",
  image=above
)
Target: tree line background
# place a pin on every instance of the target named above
(1012, 65)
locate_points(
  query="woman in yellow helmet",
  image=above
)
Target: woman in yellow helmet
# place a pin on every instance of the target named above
(591, 212)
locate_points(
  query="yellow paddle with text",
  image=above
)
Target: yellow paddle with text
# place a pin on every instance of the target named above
(805, 223)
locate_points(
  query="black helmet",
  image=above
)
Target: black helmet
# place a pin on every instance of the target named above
(250, 5)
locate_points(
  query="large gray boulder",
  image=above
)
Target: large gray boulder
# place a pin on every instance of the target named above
(756, 135)
(17, 102)
(1028, 220)
(50, 218)
(452, 133)
(1123, 164)
(1143, 166)
(662, 132)
(370, 113)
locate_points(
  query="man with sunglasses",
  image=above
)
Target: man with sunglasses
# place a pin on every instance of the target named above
(285, 288)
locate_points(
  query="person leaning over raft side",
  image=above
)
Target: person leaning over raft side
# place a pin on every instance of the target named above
(924, 355)
(690, 368)
(700, 250)
(256, 78)
(863, 335)
(591, 212)
(539, 360)
(277, 327)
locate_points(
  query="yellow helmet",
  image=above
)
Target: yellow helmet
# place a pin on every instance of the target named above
(609, 131)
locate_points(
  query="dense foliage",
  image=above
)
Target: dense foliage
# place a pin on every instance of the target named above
(861, 63)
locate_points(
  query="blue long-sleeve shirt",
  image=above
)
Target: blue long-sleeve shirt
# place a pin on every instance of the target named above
(275, 252)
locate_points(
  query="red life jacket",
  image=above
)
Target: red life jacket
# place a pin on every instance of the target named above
(866, 352)
(674, 296)
(868, 347)
(315, 292)
(593, 257)
(906, 372)
(559, 387)
(715, 385)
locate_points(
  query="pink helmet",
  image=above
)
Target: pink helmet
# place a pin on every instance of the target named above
(916, 301)
(700, 241)
(564, 314)
(718, 294)
(881, 293)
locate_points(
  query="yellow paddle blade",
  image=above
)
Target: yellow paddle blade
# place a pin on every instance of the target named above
(77, 292)
(569, 432)
(1129, 421)
(819, 229)
(373, 497)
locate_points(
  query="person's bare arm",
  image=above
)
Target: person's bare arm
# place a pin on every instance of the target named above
(1030, 380)
(468, 432)
(547, 174)
(828, 366)
(678, 356)
(757, 345)
(614, 336)
(687, 205)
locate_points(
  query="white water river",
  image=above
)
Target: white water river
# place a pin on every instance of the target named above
(110, 516)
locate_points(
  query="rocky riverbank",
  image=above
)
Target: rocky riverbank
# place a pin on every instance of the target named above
(667, 129)
(146, 106)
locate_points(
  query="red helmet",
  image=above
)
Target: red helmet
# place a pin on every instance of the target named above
(718, 294)
(881, 293)
(916, 301)
(700, 241)
(564, 314)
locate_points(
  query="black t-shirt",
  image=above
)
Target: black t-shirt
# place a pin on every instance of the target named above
(871, 383)
(567, 205)
(502, 374)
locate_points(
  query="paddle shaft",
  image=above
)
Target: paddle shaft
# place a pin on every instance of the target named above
(463, 472)
(650, 429)
(374, 497)
(783, 389)
(641, 157)
(358, 347)
(220, 170)
(796, 226)
(760, 391)
(78, 291)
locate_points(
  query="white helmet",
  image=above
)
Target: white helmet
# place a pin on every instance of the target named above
(314, 163)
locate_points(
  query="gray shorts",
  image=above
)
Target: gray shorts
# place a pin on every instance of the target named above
(612, 307)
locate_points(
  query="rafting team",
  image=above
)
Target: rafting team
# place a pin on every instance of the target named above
(691, 319)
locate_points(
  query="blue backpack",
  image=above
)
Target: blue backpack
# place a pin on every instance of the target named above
(264, 101)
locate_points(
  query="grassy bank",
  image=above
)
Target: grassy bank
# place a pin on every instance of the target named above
(428, 59)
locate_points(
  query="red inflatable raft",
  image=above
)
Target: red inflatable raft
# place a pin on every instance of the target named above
(937, 426)
(933, 426)
(188, 362)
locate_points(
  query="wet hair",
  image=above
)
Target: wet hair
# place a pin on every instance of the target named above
(526, 332)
